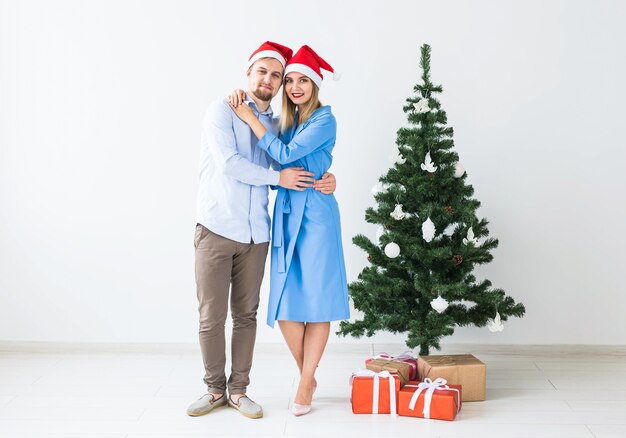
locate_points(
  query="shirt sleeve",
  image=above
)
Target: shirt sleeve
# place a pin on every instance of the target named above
(313, 137)
(274, 164)
(219, 137)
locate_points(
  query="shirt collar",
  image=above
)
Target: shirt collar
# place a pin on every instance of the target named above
(252, 104)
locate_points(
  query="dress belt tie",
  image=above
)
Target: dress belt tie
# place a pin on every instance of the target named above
(283, 206)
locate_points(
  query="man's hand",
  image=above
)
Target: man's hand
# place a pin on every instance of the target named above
(327, 184)
(295, 178)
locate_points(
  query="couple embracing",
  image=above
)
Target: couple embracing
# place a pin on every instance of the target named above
(245, 149)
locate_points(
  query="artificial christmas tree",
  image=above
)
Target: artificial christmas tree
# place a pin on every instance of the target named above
(420, 278)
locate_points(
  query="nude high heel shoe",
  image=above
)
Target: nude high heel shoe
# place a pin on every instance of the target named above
(299, 410)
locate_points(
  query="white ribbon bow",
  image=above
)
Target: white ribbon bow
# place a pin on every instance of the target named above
(407, 355)
(429, 386)
(376, 394)
(381, 356)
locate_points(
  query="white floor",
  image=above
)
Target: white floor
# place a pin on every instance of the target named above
(531, 391)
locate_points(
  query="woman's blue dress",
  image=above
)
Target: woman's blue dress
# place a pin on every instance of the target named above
(308, 273)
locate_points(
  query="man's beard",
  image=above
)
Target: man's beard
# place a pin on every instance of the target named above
(262, 94)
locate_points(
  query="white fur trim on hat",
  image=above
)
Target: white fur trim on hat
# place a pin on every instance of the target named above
(267, 54)
(305, 70)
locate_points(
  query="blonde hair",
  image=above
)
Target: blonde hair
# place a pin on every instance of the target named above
(288, 112)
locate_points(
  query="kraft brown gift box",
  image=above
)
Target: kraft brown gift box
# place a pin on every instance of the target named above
(457, 369)
(402, 369)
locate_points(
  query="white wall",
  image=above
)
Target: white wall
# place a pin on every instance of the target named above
(100, 109)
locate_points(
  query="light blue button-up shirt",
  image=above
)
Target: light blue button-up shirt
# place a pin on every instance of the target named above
(235, 175)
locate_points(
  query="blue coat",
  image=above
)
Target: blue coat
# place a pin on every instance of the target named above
(308, 274)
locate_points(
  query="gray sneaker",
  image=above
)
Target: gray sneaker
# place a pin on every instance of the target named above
(247, 407)
(205, 404)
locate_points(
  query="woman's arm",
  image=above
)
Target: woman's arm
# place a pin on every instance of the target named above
(316, 135)
(319, 133)
(245, 113)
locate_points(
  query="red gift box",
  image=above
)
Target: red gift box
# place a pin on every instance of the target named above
(374, 393)
(430, 399)
(406, 357)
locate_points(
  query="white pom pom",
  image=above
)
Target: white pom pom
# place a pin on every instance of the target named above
(336, 75)
(379, 233)
(378, 188)
(449, 231)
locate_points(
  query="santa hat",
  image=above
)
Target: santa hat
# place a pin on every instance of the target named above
(309, 63)
(271, 50)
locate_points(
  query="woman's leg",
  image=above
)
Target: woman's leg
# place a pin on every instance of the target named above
(293, 332)
(315, 338)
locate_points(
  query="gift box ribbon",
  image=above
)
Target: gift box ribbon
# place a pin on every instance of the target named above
(376, 392)
(430, 387)
(406, 357)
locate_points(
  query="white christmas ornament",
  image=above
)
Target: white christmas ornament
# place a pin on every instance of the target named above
(396, 156)
(379, 233)
(458, 170)
(392, 250)
(470, 238)
(428, 230)
(428, 164)
(398, 214)
(495, 325)
(439, 304)
(422, 106)
(378, 188)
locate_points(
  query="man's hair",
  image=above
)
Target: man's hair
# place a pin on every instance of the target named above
(288, 112)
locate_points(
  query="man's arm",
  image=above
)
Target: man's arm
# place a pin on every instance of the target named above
(327, 184)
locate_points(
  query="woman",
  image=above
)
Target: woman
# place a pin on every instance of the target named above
(308, 277)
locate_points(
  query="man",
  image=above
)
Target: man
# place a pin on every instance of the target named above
(232, 231)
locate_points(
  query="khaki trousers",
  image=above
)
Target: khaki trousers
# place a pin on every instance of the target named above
(222, 265)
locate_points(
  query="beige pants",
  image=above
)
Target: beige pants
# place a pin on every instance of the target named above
(223, 264)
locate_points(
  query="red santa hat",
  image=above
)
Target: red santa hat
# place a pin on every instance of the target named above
(309, 63)
(271, 50)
